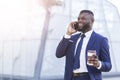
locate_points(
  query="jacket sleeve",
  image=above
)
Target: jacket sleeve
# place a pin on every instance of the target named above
(62, 47)
(105, 56)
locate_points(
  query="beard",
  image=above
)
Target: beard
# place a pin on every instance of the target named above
(84, 27)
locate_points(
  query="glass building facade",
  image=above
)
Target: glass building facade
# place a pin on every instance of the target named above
(28, 52)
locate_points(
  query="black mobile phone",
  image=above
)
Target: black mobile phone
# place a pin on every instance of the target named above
(76, 26)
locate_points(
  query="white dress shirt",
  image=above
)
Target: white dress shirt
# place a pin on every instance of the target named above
(83, 67)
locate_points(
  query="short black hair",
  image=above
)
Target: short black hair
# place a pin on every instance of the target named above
(87, 11)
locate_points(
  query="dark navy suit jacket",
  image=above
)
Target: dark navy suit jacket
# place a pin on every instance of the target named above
(97, 42)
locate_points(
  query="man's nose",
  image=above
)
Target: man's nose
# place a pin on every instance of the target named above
(79, 21)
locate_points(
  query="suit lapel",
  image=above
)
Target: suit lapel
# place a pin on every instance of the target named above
(91, 41)
(74, 39)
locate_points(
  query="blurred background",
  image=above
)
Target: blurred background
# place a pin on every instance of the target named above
(30, 31)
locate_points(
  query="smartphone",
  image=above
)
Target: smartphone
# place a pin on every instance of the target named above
(76, 26)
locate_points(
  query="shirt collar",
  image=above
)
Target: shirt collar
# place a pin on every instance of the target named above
(88, 34)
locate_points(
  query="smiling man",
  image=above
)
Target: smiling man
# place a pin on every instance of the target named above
(75, 48)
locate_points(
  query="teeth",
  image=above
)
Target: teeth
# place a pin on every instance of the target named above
(80, 24)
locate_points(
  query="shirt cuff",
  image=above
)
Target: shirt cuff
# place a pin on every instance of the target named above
(67, 36)
(99, 65)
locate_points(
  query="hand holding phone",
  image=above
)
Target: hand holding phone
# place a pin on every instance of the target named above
(76, 26)
(72, 28)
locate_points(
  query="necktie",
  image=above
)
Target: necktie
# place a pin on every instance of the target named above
(77, 55)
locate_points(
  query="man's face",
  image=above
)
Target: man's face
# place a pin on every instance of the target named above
(84, 20)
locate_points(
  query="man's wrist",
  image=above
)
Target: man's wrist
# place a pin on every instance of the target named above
(68, 33)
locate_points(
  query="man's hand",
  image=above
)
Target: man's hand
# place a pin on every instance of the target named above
(70, 29)
(94, 60)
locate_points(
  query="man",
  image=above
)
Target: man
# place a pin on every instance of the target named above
(75, 48)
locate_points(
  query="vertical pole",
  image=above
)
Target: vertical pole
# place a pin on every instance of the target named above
(38, 66)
